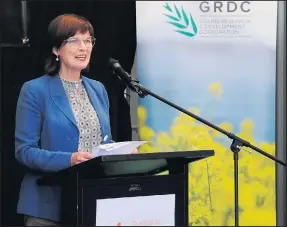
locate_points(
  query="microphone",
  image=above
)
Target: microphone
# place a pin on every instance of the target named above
(118, 71)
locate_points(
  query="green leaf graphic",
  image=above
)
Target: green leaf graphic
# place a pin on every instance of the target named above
(185, 33)
(172, 17)
(185, 16)
(181, 21)
(167, 7)
(177, 12)
(193, 24)
(177, 24)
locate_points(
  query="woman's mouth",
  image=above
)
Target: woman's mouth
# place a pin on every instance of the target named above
(81, 57)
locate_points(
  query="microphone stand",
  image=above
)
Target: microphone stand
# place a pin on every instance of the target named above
(236, 145)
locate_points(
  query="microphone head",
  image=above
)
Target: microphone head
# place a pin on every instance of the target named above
(113, 63)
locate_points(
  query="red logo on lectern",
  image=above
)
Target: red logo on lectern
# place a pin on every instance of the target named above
(119, 224)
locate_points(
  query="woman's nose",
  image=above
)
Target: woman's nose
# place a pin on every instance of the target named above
(82, 46)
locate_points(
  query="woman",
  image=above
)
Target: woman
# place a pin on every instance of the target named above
(60, 117)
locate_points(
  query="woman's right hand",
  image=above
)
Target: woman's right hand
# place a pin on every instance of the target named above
(80, 156)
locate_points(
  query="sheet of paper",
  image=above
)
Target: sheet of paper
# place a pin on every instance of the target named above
(155, 210)
(117, 148)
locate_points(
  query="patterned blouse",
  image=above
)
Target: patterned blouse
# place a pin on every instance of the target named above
(85, 115)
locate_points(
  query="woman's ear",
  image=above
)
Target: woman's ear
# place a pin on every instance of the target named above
(55, 51)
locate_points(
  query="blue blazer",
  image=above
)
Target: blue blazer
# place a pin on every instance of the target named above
(46, 135)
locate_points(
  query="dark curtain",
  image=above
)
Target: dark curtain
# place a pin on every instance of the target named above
(10, 21)
(115, 31)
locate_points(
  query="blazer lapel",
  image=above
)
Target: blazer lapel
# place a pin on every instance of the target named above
(94, 99)
(60, 98)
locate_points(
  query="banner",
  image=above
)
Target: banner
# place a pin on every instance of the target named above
(218, 60)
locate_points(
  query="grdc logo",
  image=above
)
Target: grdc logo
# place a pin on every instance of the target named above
(225, 6)
(185, 24)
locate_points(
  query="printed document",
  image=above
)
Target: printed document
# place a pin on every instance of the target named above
(117, 148)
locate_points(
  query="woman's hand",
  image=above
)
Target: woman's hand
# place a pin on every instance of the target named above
(135, 151)
(79, 157)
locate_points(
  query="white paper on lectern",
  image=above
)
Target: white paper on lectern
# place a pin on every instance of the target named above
(116, 148)
(155, 210)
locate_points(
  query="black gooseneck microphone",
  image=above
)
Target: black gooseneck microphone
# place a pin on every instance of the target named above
(118, 71)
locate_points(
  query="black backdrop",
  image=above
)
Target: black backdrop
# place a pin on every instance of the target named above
(115, 30)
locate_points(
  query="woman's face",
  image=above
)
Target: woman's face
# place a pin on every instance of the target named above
(75, 53)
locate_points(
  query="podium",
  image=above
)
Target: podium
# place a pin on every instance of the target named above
(85, 186)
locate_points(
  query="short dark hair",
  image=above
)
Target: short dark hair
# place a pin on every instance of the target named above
(61, 28)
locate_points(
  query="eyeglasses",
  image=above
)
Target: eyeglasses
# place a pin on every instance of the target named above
(75, 42)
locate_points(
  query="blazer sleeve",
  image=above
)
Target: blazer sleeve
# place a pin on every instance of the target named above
(29, 118)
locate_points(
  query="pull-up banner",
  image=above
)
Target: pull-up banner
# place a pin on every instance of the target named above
(217, 59)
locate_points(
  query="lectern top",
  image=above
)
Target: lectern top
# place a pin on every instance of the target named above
(188, 155)
(132, 164)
